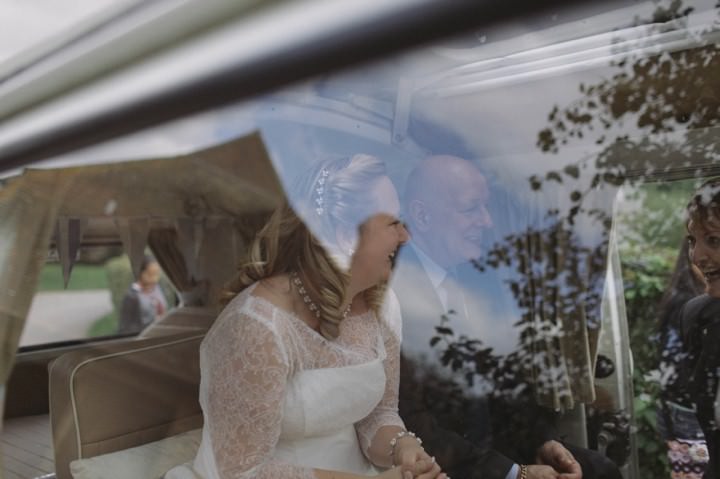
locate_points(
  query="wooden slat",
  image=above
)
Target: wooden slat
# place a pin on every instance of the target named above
(30, 444)
(27, 447)
(31, 434)
(31, 458)
(36, 463)
(26, 440)
(7, 474)
(23, 470)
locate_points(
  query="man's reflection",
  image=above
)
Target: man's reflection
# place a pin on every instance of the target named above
(446, 204)
(446, 200)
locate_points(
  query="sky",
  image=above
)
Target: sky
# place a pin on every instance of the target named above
(26, 23)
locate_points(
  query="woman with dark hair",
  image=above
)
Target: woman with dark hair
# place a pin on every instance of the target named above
(701, 316)
(144, 301)
(678, 426)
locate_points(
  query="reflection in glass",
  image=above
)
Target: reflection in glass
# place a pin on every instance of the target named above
(524, 159)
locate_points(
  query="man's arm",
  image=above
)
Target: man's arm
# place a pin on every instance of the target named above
(459, 456)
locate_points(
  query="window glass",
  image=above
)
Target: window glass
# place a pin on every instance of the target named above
(530, 185)
(101, 290)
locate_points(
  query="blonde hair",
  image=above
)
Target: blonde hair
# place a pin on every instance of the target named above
(287, 244)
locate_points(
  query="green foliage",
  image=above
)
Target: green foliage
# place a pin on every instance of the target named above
(659, 221)
(105, 326)
(650, 228)
(651, 235)
(119, 278)
(646, 272)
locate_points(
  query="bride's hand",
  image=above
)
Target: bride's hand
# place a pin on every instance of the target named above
(398, 473)
(416, 463)
(394, 473)
(423, 469)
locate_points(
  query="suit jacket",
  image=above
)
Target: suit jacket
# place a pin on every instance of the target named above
(455, 426)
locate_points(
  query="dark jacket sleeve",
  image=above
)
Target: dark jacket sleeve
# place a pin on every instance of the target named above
(459, 455)
(520, 427)
(130, 315)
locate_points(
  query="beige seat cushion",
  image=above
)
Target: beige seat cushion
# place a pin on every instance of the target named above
(117, 396)
(148, 461)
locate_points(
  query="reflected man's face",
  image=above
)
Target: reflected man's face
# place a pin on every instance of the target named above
(458, 216)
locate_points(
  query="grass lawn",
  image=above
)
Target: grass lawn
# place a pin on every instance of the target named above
(82, 277)
(105, 326)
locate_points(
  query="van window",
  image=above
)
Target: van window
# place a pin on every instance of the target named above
(542, 169)
(91, 304)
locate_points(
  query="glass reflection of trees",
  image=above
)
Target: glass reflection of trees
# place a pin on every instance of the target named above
(671, 100)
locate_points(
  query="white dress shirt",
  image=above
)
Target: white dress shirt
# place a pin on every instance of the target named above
(434, 272)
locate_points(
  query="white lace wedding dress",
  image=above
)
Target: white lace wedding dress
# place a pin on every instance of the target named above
(278, 399)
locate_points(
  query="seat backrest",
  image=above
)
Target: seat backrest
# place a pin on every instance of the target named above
(184, 319)
(116, 396)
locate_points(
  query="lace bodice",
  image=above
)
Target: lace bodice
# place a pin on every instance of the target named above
(250, 361)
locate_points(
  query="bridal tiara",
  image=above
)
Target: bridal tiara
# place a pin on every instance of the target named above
(319, 191)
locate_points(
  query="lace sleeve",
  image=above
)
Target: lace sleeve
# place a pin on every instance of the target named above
(247, 366)
(386, 412)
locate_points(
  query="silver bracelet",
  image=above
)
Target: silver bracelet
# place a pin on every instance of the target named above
(398, 436)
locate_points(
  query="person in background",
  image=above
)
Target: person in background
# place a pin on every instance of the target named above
(677, 424)
(144, 301)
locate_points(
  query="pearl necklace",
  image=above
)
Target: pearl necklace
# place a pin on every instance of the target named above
(306, 297)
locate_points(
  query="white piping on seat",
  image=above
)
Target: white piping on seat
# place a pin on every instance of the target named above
(98, 358)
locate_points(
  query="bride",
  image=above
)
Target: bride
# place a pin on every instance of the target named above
(300, 371)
